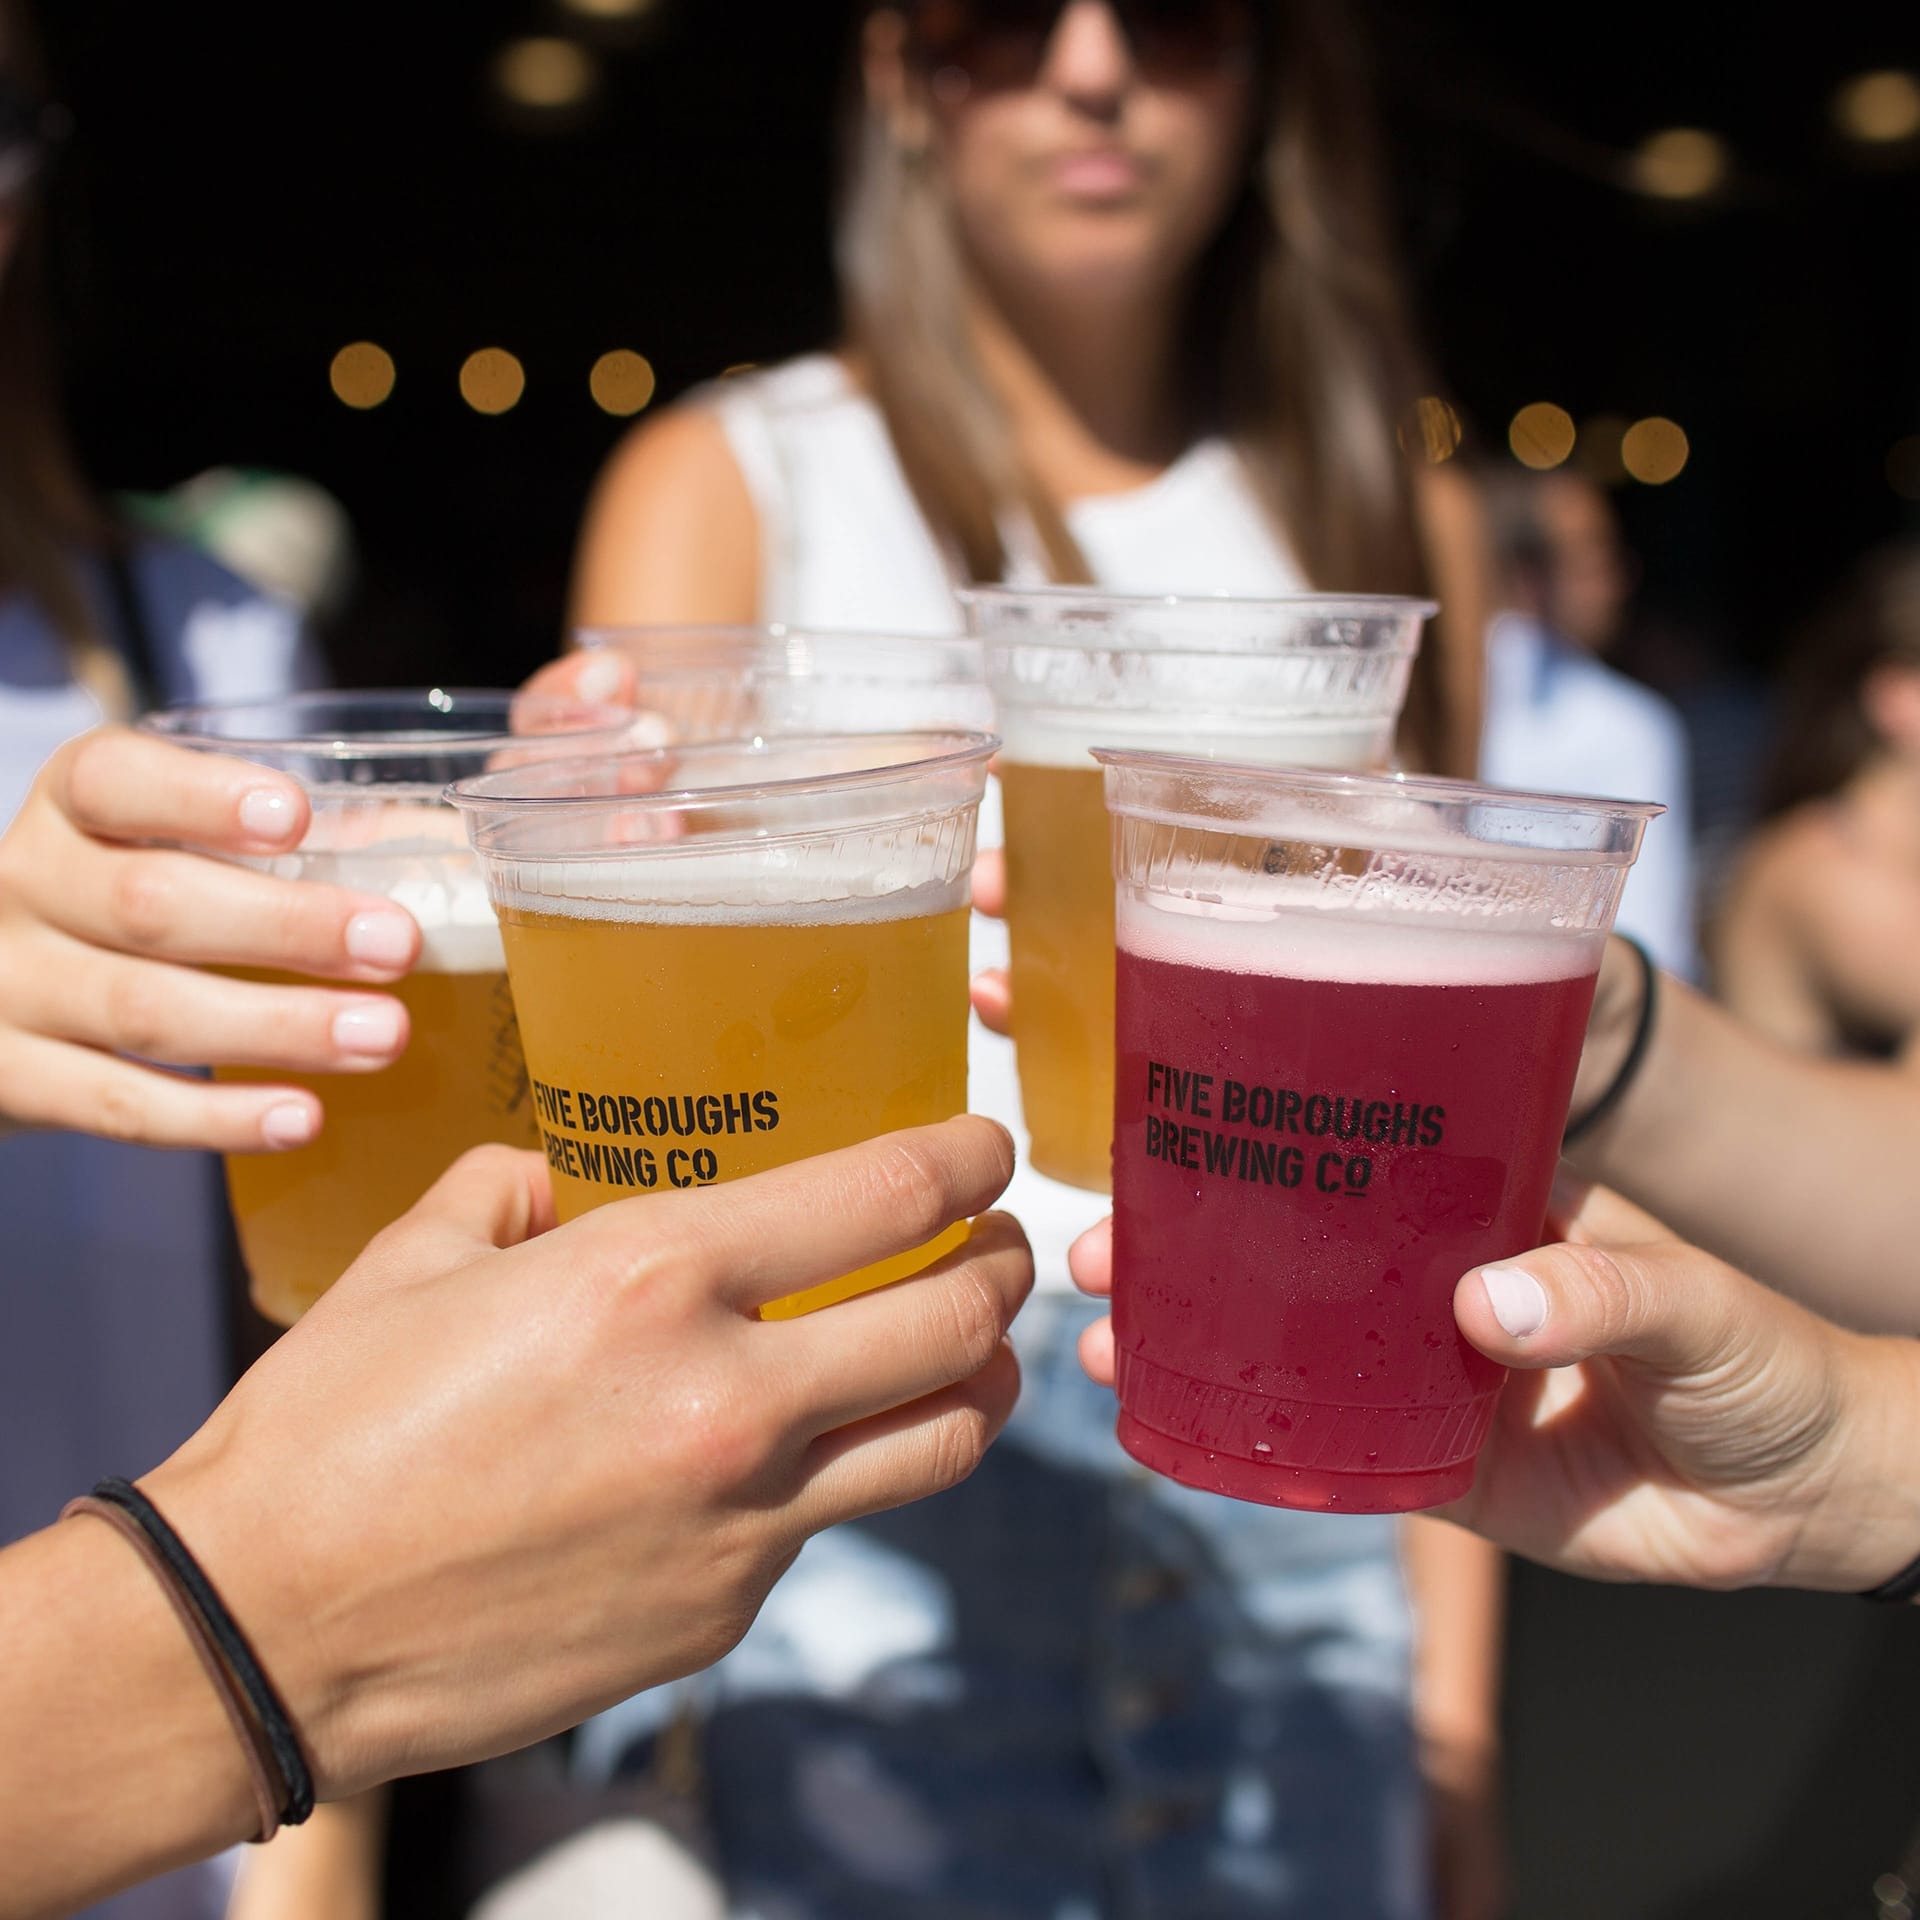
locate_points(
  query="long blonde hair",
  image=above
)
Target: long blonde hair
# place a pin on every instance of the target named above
(1297, 344)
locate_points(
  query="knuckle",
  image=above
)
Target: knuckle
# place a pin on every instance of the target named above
(1610, 1287)
(726, 1446)
(976, 1321)
(139, 1020)
(957, 1443)
(142, 901)
(911, 1180)
(121, 1110)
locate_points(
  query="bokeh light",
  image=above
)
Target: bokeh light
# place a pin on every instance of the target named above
(1903, 467)
(492, 380)
(1430, 430)
(621, 381)
(608, 9)
(362, 375)
(1541, 435)
(1654, 450)
(545, 73)
(1597, 451)
(1683, 163)
(1879, 109)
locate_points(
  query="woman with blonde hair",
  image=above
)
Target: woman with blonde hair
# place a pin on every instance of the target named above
(1120, 306)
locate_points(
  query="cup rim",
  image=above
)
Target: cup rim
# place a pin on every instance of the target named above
(187, 723)
(1058, 594)
(1428, 789)
(492, 792)
(599, 635)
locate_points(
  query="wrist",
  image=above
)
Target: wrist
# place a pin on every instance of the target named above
(1862, 1518)
(266, 1564)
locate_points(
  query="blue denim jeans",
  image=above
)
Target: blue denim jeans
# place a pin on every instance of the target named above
(1068, 1690)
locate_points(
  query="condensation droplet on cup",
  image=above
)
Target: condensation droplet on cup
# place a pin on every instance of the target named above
(1262, 1447)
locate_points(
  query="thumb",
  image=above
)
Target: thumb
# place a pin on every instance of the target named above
(1668, 1306)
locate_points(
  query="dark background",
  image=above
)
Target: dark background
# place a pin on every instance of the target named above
(250, 188)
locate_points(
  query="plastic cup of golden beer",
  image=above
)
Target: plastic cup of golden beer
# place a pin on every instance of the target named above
(375, 767)
(734, 955)
(734, 682)
(1308, 680)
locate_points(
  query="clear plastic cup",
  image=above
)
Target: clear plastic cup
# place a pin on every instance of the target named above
(1350, 1008)
(1305, 681)
(733, 955)
(374, 766)
(730, 683)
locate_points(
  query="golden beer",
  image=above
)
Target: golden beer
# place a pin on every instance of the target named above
(1060, 922)
(303, 1217)
(678, 1053)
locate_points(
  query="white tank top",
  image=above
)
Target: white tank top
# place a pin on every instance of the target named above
(843, 546)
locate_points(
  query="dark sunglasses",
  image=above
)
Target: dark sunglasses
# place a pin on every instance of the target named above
(1003, 43)
(30, 130)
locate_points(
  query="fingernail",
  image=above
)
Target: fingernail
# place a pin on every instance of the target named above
(371, 1026)
(267, 813)
(287, 1125)
(380, 939)
(600, 679)
(1518, 1300)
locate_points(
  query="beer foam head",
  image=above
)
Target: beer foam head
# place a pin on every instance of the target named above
(1056, 737)
(1300, 943)
(770, 885)
(438, 882)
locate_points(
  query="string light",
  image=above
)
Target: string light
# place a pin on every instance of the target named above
(1541, 435)
(1654, 450)
(492, 380)
(361, 375)
(621, 382)
(1683, 163)
(545, 73)
(1878, 109)
(1430, 430)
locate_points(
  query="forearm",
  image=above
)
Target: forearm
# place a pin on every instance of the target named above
(1796, 1170)
(116, 1759)
(1458, 1586)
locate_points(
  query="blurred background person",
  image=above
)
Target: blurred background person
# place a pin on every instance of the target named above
(1559, 719)
(1818, 941)
(128, 1351)
(1120, 306)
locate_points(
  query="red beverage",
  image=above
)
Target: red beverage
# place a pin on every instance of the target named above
(1304, 1166)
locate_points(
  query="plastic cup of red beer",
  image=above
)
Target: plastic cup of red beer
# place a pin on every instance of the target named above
(1349, 1011)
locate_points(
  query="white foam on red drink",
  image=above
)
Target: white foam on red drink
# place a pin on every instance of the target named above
(1301, 944)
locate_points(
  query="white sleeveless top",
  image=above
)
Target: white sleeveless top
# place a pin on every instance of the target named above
(843, 546)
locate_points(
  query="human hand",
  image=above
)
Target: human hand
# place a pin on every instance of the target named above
(992, 993)
(1672, 1420)
(500, 1477)
(105, 929)
(598, 675)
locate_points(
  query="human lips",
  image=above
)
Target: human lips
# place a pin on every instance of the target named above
(1097, 173)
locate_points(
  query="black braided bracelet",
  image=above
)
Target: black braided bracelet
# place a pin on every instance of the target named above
(265, 1702)
(1636, 1051)
(1900, 1589)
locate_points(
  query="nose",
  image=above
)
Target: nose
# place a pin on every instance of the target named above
(1088, 59)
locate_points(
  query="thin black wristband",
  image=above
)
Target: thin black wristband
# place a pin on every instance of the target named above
(1900, 1589)
(1636, 1051)
(267, 1707)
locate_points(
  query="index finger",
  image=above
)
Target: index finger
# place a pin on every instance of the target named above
(779, 1232)
(120, 784)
